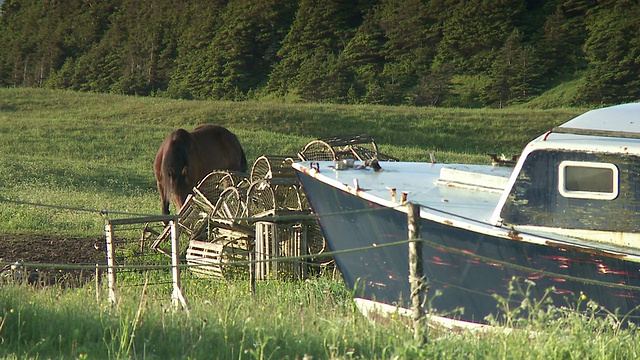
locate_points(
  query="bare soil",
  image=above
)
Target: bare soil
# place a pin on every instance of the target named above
(61, 258)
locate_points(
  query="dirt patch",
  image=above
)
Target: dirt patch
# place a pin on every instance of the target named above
(51, 260)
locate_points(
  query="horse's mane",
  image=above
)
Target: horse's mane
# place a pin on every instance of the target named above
(176, 157)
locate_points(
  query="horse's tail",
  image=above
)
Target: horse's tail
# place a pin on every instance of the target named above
(243, 161)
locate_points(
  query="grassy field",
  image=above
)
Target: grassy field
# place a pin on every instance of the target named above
(68, 158)
(95, 152)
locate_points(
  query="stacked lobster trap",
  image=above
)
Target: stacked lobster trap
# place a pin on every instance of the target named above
(277, 204)
(232, 218)
(357, 147)
(212, 218)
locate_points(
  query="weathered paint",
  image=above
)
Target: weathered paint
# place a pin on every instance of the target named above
(535, 200)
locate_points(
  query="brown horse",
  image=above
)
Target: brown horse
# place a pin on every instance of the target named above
(184, 158)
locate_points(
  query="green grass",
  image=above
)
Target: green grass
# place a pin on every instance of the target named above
(95, 151)
(283, 320)
(80, 154)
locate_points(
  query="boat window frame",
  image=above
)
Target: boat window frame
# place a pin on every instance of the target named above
(592, 195)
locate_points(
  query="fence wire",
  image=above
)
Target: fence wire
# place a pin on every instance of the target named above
(133, 257)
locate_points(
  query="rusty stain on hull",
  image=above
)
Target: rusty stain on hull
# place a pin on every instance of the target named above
(591, 251)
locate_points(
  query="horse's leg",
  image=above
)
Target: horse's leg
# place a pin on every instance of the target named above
(163, 200)
(165, 207)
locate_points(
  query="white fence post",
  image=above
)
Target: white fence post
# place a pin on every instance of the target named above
(111, 272)
(177, 296)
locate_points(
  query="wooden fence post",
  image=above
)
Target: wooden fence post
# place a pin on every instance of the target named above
(177, 295)
(252, 273)
(416, 275)
(98, 285)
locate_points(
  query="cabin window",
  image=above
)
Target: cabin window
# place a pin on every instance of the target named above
(588, 180)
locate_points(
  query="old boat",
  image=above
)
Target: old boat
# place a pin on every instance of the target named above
(564, 215)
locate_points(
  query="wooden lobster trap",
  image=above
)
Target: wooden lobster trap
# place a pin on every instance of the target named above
(229, 217)
(225, 250)
(277, 204)
(225, 257)
(230, 212)
(195, 215)
(269, 198)
(278, 247)
(229, 238)
(269, 167)
(358, 147)
(274, 187)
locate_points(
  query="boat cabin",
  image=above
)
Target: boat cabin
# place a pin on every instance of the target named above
(582, 179)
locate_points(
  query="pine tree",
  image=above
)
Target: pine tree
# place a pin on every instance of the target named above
(513, 74)
(364, 57)
(320, 30)
(559, 47)
(193, 75)
(38, 38)
(30, 41)
(613, 51)
(243, 51)
(144, 26)
(415, 52)
(474, 31)
(81, 26)
(392, 50)
(414, 33)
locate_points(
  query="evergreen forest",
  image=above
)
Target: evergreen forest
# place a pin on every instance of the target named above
(447, 53)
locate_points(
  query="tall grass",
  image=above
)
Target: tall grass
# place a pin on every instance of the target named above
(283, 320)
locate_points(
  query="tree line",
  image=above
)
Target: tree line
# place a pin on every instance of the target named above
(392, 52)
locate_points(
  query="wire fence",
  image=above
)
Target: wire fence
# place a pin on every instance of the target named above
(134, 261)
(231, 226)
(137, 264)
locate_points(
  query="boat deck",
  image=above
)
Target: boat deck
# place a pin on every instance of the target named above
(468, 191)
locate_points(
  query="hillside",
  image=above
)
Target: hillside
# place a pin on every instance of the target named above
(384, 52)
